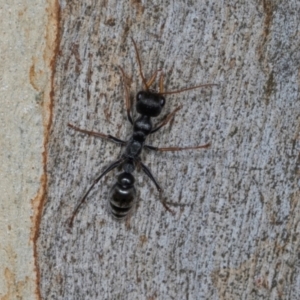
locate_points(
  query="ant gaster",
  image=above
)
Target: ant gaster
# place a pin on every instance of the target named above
(149, 104)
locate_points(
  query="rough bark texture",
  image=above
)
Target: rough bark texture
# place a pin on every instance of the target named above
(236, 230)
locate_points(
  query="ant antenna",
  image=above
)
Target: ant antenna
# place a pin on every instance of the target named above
(187, 89)
(140, 65)
(148, 84)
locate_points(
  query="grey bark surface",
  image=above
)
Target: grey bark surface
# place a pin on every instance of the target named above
(235, 234)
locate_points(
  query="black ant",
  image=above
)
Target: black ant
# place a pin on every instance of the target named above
(149, 104)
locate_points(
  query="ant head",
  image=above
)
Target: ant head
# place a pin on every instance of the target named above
(149, 103)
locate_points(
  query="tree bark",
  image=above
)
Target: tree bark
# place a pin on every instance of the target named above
(235, 233)
(27, 42)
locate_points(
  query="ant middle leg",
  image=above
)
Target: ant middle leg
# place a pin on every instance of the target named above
(173, 149)
(98, 134)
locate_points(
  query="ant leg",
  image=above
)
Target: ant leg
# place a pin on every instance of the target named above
(99, 134)
(108, 169)
(170, 115)
(167, 119)
(127, 97)
(173, 149)
(149, 174)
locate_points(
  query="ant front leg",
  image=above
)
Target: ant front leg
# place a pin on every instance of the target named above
(99, 134)
(167, 119)
(169, 116)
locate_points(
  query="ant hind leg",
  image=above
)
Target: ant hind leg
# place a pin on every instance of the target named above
(96, 180)
(149, 174)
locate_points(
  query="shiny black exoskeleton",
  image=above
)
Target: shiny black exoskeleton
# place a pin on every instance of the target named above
(122, 195)
(149, 104)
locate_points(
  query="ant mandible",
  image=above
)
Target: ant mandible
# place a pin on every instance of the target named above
(149, 105)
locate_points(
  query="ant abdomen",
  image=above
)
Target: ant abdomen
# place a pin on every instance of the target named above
(122, 196)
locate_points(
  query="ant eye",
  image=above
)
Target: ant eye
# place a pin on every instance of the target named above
(139, 96)
(162, 101)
